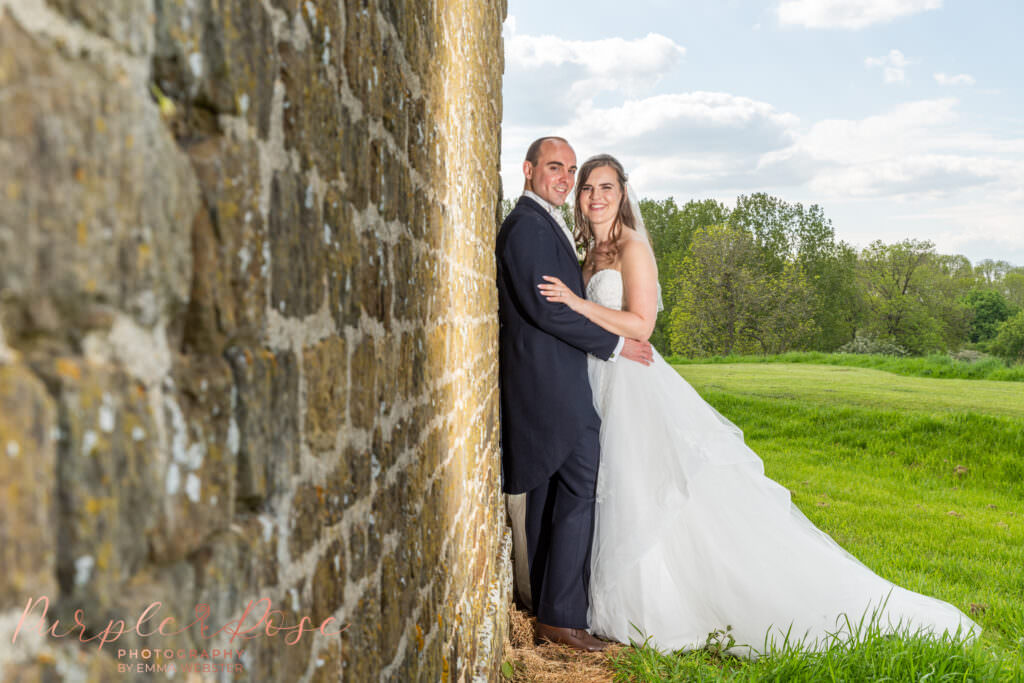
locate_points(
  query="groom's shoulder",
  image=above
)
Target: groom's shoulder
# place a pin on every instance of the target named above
(526, 210)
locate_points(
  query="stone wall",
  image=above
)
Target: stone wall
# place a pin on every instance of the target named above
(248, 335)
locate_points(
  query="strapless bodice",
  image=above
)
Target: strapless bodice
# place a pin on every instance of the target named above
(605, 288)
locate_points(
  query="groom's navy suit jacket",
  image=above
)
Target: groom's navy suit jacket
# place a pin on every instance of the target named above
(546, 403)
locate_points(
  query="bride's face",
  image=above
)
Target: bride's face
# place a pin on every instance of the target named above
(600, 196)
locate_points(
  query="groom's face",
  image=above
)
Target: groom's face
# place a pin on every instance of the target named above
(553, 175)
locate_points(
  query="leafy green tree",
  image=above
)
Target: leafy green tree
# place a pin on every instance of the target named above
(771, 222)
(1009, 342)
(946, 280)
(790, 233)
(990, 309)
(958, 268)
(837, 306)
(991, 272)
(568, 214)
(728, 303)
(893, 280)
(671, 229)
(1013, 287)
(506, 208)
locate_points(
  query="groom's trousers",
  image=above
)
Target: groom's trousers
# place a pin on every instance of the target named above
(559, 534)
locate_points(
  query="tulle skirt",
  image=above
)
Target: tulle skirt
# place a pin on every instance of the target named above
(692, 538)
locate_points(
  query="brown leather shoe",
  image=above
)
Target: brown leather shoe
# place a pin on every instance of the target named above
(573, 637)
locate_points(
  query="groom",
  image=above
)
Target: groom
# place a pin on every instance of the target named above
(549, 428)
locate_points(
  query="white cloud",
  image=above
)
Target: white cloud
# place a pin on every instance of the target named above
(984, 225)
(915, 149)
(630, 66)
(894, 66)
(695, 119)
(981, 224)
(959, 79)
(849, 14)
(697, 141)
(548, 79)
(922, 175)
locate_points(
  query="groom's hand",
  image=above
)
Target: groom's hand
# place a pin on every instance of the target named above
(637, 350)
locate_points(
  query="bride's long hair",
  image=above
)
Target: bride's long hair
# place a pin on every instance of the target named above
(584, 230)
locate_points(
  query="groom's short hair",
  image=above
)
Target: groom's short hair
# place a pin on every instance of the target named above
(533, 151)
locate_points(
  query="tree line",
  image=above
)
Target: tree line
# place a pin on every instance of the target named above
(767, 276)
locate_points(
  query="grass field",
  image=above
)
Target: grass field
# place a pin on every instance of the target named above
(935, 365)
(922, 479)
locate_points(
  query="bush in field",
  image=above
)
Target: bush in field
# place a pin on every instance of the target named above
(969, 355)
(990, 309)
(872, 344)
(1009, 342)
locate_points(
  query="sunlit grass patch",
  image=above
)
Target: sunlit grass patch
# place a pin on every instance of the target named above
(934, 365)
(862, 653)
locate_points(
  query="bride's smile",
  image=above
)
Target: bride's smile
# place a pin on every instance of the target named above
(600, 198)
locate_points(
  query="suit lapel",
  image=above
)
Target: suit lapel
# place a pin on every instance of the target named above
(554, 226)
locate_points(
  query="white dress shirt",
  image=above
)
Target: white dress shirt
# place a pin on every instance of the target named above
(556, 213)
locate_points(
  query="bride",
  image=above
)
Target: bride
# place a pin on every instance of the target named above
(690, 536)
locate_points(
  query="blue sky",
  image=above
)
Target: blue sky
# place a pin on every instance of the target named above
(900, 118)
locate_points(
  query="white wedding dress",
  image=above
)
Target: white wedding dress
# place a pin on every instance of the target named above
(691, 537)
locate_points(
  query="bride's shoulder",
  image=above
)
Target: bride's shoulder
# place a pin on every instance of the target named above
(634, 246)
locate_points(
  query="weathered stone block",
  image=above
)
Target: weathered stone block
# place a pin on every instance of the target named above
(329, 585)
(87, 217)
(199, 479)
(211, 309)
(417, 150)
(374, 285)
(393, 507)
(328, 662)
(396, 93)
(355, 162)
(358, 559)
(289, 6)
(341, 242)
(229, 294)
(235, 567)
(313, 113)
(129, 23)
(218, 54)
(326, 369)
(361, 641)
(28, 480)
(363, 61)
(173, 586)
(120, 505)
(350, 479)
(362, 402)
(75, 664)
(106, 478)
(376, 179)
(296, 247)
(393, 191)
(266, 412)
(278, 658)
(314, 509)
